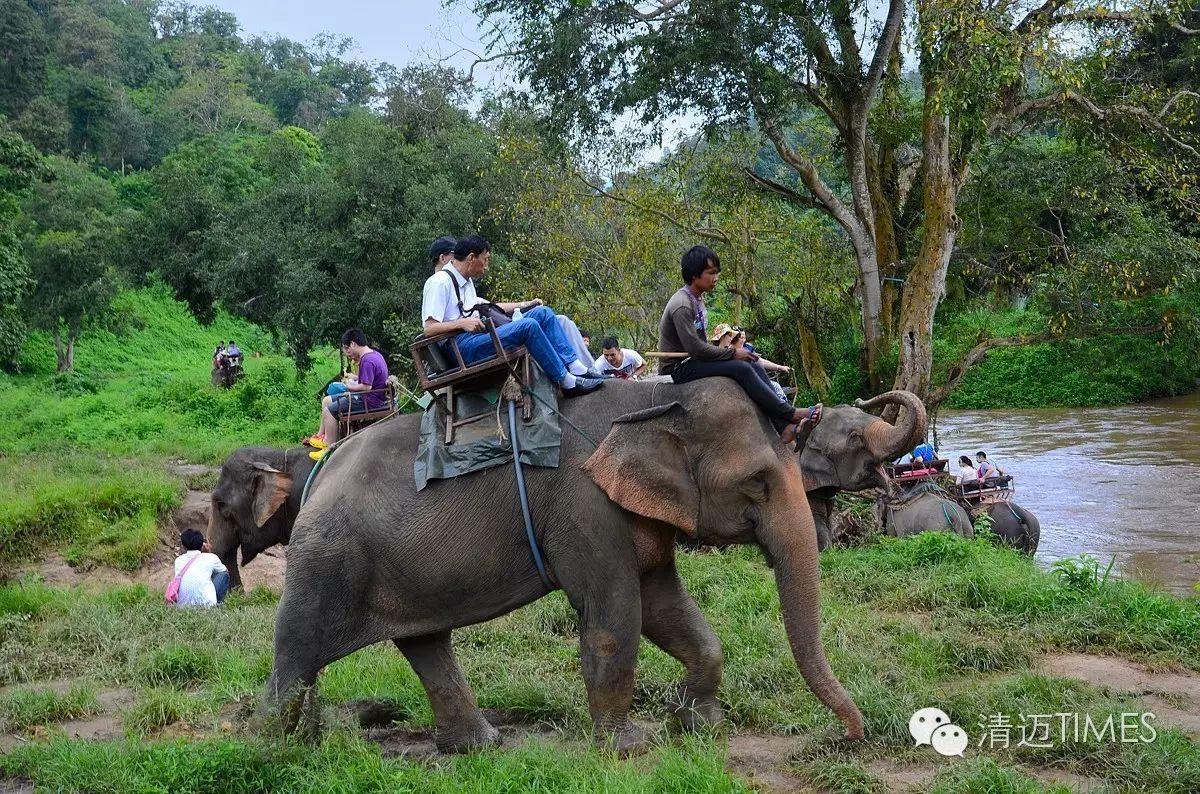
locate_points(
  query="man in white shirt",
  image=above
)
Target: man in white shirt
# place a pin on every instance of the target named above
(449, 296)
(441, 253)
(206, 580)
(622, 362)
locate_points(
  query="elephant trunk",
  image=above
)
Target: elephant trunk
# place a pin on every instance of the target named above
(790, 539)
(223, 541)
(888, 442)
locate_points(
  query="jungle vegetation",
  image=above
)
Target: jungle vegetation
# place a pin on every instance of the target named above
(891, 207)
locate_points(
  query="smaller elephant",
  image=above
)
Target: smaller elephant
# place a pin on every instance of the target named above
(921, 509)
(1016, 526)
(255, 503)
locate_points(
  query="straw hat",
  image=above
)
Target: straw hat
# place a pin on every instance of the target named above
(720, 331)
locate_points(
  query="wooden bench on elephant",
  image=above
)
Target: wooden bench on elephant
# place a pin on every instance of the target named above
(442, 372)
(350, 423)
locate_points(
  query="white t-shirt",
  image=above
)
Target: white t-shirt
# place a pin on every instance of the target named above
(438, 301)
(630, 361)
(965, 474)
(196, 589)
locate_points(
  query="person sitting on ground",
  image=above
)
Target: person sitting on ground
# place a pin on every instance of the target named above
(984, 467)
(205, 582)
(449, 304)
(683, 329)
(622, 362)
(966, 472)
(441, 253)
(371, 381)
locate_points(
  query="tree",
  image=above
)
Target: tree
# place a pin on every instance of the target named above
(69, 230)
(983, 67)
(19, 166)
(23, 52)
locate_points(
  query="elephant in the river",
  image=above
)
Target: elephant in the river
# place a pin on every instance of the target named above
(846, 450)
(1016, 526)
(372, 559)
(255, 503)
(922, 508)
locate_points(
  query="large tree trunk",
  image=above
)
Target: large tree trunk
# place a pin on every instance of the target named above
(64, 351)
(811, 360)
(927, 280)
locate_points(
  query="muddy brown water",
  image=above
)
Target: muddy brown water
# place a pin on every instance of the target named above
(1121, 482)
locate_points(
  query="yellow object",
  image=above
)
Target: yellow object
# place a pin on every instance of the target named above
(316, 442)
(317, 454)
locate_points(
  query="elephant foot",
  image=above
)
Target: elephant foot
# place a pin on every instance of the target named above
(697, 713)
(478, 737)
(626, 741)
(297, 716)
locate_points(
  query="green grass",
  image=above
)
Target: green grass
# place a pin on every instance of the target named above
(23, 708)
(931, 620)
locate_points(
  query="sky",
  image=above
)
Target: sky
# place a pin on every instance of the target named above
(400, 33)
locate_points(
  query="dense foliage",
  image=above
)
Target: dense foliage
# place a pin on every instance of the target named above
(296, 187)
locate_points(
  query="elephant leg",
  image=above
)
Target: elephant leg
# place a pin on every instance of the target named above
(610, 621)
(460, 724)
(822, 511)
(673, 622)
(290, 705)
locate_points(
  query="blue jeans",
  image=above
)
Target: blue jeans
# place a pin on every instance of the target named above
(538, 330)
(220, 580)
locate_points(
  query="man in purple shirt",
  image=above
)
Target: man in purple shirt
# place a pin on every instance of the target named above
(372, 379)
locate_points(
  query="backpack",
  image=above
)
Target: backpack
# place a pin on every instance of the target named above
(172, 594)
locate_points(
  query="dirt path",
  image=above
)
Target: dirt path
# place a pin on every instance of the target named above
(268, 569)
(1173, 697)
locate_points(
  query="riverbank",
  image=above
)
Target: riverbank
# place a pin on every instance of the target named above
(932, 621)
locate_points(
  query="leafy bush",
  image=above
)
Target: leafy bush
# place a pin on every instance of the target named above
(1082, 573)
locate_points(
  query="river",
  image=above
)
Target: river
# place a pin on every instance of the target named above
(1121, 481)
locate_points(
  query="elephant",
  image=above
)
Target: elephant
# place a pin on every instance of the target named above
(1015, 525)
(923, 509)
(372, 559)
(255, 503)
(846, 450)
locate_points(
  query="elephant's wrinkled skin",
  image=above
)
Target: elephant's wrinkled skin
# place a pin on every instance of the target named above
(255, 503)
(372, 559)
(923, 512)
(1016, 526)
(846, 450)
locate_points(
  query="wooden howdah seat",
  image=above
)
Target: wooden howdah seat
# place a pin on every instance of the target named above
(442, 373)
(349, 423)
(904, 472)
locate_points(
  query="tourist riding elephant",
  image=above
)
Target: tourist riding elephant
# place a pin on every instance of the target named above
(255, 502)
(922, 508)
(845, 451)
(1016, 526)
(373, 559)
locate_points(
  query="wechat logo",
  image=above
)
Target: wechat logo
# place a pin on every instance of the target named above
(933, 727)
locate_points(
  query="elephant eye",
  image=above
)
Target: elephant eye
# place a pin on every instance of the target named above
(756, 488)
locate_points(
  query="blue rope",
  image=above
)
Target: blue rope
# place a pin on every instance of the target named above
(946, 514)
(533, 546)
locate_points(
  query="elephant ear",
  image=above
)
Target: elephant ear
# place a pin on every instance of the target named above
(643, 466)
(271, 489)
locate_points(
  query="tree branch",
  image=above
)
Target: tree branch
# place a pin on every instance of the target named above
(979, 353)
(705, 232)
(1089, 106)
(883, 50)
(782, 190)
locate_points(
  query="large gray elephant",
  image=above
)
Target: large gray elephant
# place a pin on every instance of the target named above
(372, 559)
(922, 508)
(255, 503)
(1016, 526)
(846, 451)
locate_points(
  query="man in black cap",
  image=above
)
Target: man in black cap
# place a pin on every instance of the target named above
(441, 251)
